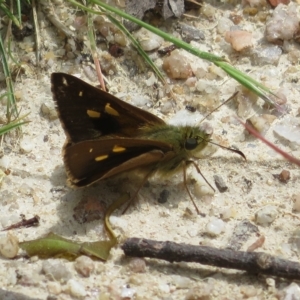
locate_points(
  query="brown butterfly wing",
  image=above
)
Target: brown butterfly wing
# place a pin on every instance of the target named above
(88, 113)
(89, 161)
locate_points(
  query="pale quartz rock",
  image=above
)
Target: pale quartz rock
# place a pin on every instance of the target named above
(266, 215)
(291, 292)
(56, 270)
(76, 289)
(224, 24)
(9, 246)
(26, 145)
(283, 24)
(289, 129)
(177, 66)
(137, 265)
(215, 227)
(84, 265)
(239, 39)
(4, 162)
(148, 40)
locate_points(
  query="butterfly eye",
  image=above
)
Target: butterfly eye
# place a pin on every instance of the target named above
(190, 144)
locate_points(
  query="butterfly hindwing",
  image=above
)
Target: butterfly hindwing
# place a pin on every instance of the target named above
(89, 161)
(88, 113)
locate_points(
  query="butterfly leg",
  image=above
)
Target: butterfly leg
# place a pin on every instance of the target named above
(137, 191)
(198, 170)
(185, 163)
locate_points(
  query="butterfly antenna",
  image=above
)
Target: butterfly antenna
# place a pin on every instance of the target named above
(230, 98)
(230, 149)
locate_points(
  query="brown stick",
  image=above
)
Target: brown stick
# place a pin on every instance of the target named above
(252, 262)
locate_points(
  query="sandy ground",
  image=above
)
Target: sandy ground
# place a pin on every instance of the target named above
(37, 183)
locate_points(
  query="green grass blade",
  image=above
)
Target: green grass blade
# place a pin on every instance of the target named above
(12, 125)
(7, 12)
(166, 36)
(11, 104)
(247, 81)
(137, 46)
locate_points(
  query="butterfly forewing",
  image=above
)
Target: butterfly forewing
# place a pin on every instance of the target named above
(88, 113)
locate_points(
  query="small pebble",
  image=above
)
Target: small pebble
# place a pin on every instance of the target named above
(270, 282)
(75, 289)
(118, 222)
(206, 86)
(54, 287)
(289, 129)
(239, 39)
(177, 66)
(190, 33)
(220, 184)
(291, 292)
(201, 188)
(181, 282)
(249, 291)
(283, 24)
(137, 265)
(148, 40)
(257, 244)
(266, 215)
(275, 3)
(208, 11)
(166, 107)
(140, 100)
(151, 80)
(56, 270)
(284, 176)
(26, 145)
(224, 24)
(265, 55)
(84, 265)
(215, 227)
(164, 287)
(4, 162)
(48, 110)
(9, 246)
(227, 213)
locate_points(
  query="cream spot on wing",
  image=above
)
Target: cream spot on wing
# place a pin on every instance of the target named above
(101, 157)
(117, 149)
(93, 113)
(80, 93)
(64, 81)
(111, 111)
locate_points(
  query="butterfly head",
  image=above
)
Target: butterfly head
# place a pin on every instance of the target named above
(197, 139)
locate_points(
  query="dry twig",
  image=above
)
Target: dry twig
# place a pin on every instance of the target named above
(252, 262)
